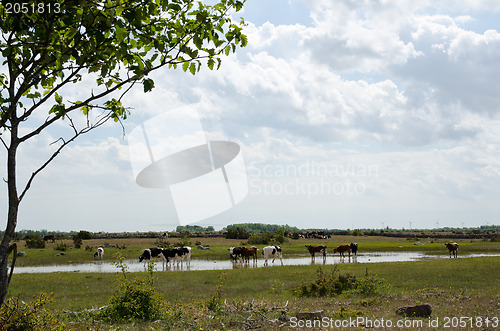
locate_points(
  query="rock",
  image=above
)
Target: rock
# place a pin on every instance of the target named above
(21, 253)
(415, 311)
(310, 315)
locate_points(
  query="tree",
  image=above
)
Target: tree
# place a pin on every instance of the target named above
(48, 45)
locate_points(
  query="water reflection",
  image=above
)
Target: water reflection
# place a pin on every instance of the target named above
(199, 264)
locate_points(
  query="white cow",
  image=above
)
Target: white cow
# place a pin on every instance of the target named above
(100, 253)
(274, 251)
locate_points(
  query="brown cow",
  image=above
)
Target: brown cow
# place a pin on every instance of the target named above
(342, 249)
(452, 248)
(50, 237)
(316, 249)
(250, 252)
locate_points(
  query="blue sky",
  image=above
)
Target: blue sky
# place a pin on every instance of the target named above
(349, 114)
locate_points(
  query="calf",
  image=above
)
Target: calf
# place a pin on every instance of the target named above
(342, 249)
(313, 249)
(149, 253)
(453, 249)
(274, 251)
(99, 254)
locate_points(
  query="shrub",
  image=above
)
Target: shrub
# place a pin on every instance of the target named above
(238, 233)
(85, 235)
(61, 247)
(35, 241)
(261, 239)
(372, 285)
(77, 240)
(336, 283)
(357, 232)
(16, 314)
(183, 242)
(162, 243)
(134, 300)
(327, 285)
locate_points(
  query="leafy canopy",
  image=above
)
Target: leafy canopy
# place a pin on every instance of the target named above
(47, 45)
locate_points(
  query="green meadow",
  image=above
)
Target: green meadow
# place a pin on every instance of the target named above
(266, 298)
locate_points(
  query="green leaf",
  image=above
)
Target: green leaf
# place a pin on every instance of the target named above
(185, 66)
(192, 68)
(58, 98)
(148, 84)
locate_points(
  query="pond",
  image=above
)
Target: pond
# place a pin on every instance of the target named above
(199, 264)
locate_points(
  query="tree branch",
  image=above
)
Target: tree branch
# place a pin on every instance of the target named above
(86, 129)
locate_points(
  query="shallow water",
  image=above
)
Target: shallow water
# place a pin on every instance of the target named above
(198, 264)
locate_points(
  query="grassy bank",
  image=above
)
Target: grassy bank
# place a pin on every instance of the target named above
(454, 288)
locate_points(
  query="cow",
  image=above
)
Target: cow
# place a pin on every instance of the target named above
(50, 237)
(99, 254)
(452, 248)
(150, 253)
(179, 254)
(341, 249)
(236, 252)
(354, 250)
(316, 249)
(274, 251)
(250, 252)
(184, 253)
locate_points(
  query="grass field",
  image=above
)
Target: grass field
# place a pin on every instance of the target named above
(262, 297)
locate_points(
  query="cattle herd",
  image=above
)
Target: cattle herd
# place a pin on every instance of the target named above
(245, 253)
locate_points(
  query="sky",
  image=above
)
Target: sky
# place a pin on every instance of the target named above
(348, 114)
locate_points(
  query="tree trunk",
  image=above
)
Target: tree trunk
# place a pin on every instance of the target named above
(12, 213)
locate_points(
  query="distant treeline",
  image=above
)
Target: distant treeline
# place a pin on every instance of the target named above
(247, 229)
(194, 228)
(261, 228)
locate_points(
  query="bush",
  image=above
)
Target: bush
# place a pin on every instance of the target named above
(337, 283)
(61, 247)
(134, 300)
(77, 240)
(357, 232)
(35, 241)
(85, 235)
(266, 239)
(238, 233)
(372, 285)
(261, 239)
(183, 242)
(16, 315)
(162, 243)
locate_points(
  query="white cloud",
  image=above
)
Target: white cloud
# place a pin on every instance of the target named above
(403, 86)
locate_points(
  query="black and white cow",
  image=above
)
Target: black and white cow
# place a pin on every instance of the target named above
(354, 249)
(150, 253)
(236, 252)
(178, 254)
(184, 253)
(100, 253)
(274, 251)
